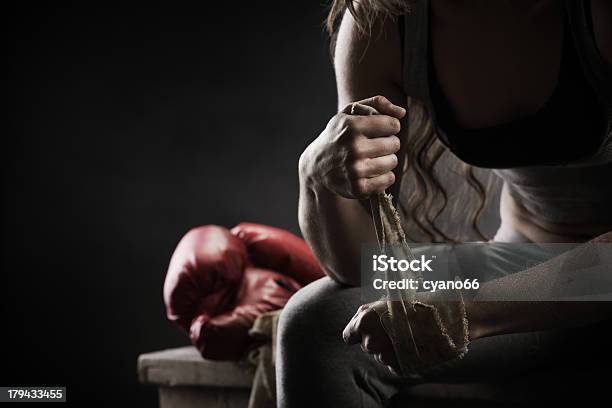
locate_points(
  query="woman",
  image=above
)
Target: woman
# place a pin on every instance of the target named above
(522, 87)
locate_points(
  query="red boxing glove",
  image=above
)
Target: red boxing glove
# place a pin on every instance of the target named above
(213, 293)
(205, 272)
(279, 250)
(226, 336)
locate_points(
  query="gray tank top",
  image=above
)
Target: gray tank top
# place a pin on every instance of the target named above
(575, 192)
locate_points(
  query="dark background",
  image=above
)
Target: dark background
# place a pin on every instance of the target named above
(128, 126)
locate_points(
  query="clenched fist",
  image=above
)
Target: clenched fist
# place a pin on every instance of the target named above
(355, 155)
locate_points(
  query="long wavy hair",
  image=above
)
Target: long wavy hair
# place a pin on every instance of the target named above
(427, 201)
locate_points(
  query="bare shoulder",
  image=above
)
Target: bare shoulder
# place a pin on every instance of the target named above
(368, 65)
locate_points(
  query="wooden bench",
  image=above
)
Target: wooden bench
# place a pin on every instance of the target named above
(186, 380)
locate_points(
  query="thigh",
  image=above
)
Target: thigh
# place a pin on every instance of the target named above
(314, 365)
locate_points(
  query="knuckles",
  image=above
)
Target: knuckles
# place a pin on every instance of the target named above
(380, 100)
(363, 166)
(353, 125)
(354, 147)
(363, 307)
(358, 187)
(344, 125)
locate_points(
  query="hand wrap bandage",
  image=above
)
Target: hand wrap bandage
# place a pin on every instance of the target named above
(424, 332)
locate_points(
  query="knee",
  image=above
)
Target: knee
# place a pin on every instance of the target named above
(316, 313)
(312, 358)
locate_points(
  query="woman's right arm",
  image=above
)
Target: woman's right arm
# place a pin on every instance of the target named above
(354, 155)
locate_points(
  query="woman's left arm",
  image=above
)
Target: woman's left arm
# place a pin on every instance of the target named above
(489, 318)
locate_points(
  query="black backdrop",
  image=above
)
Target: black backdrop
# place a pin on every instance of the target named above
(128, 126)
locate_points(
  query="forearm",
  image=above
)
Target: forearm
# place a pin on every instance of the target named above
(489, 318)
(494, 317)
(335, 228)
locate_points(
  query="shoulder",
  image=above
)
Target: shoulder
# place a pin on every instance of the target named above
(367, 64)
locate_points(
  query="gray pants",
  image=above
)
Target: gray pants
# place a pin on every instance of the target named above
(315, 368)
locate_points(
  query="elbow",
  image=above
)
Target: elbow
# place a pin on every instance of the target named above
(341, 275)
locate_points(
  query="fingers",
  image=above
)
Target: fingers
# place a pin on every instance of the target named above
(386, 357)
(351, 334)
(375, 125)
(362, 149)
(382, 105)
(381, 349)
(365, 329)
(368, 186)
(364, 187)
(372, 167)
(375, 117)
(361, 109)
(382, 146)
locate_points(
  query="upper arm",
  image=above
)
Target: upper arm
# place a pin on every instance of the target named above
(368, 66)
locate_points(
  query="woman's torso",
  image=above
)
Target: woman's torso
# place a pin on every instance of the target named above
(499, 70)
